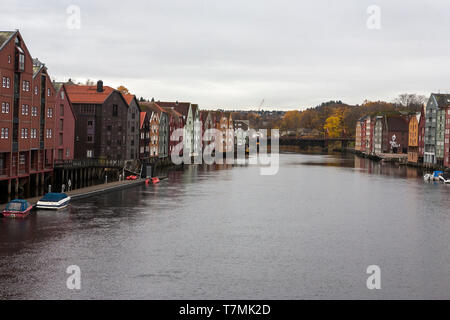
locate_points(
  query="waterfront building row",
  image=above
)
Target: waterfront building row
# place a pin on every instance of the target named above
(422, 136)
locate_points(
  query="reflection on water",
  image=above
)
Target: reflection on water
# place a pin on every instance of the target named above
(227, 232)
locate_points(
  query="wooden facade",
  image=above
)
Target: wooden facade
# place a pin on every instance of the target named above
(413, 138)
(65, 125)
(102, 122)
(27, 120)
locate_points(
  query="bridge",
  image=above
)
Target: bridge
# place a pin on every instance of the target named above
(304, 143)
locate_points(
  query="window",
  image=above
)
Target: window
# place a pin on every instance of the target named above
(48, 92)
(49, 133)
(9, 59)
(22, 159)
(62, 95)
(49, 113)
(67, 152)
(61, 110)
(24, 133)
(61, 139)
(4, 82)
(36, 90)
(90, 123)
(90, 138)
(4, 133)
(24, 86)
(115, 112)
(89, 153)
(34, 111)
(5, 107)
(61, 125)
(25, 109)
(27, 86)
(8, 82)
(33, 134)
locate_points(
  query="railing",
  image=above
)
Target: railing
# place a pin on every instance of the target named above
(100, 163)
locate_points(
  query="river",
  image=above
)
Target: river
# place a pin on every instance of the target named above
(224, 232)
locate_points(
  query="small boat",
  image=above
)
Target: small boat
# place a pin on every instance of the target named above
(53, 201)
(436, 175)
(155, 180)
(427, 177)
(445, 178)
(17, 208)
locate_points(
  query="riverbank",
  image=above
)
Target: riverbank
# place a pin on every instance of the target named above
(87, 192)
(400, 159)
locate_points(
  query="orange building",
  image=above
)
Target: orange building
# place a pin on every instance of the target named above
(413, 138)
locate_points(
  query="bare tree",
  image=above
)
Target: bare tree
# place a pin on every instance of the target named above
(410, 100)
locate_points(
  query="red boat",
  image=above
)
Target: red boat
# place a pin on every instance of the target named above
(155, 180)
(131, 177)
(17, 208)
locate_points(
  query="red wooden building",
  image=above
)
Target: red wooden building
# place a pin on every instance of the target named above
(27, 125)
(65, 125)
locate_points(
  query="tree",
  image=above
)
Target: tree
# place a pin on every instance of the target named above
(333, 126)
(123, 90)
(410, 100)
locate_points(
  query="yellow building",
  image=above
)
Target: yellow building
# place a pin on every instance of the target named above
(413, 138)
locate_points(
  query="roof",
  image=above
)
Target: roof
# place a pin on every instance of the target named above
(152, 106)
(174, 113)
(128, 97)
(143, 114)
(180, 107)
(5, 36)
(88, 94)
(443, 100)
(37, 67)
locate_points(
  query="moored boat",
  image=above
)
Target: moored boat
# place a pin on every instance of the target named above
(53, 201)
(17, 208)
(155, 180)
(436, 175)
(445, 178)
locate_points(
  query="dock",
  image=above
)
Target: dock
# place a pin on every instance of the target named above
(87, 192)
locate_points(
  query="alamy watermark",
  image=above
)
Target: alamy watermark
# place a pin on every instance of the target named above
(73, 21)
(239, 147)
(374, 280)
(374, 19)
(74, 280)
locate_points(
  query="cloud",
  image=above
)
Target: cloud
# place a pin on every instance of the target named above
(232, 54)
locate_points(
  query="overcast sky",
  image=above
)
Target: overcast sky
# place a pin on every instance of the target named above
(233, 54)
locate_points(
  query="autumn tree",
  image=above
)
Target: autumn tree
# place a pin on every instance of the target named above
(333, 126)
(123, 90)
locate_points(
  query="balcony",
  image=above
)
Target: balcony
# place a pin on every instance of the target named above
(4, 172)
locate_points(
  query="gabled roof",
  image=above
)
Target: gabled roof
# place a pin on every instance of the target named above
(88, 94)
(173, 113)
(443, 100)
(37, 67)
(181, 107)
(5, 36)
(152, 106)
(129, 97)
(143, 114)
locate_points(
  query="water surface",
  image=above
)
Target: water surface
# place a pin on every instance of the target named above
(223, 232)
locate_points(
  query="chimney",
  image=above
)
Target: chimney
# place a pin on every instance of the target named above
(99, 86)
(176, 102)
